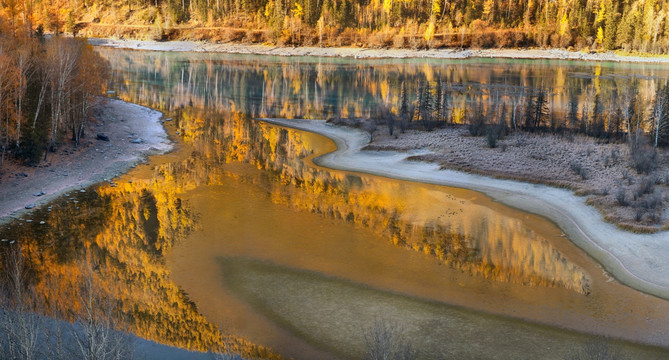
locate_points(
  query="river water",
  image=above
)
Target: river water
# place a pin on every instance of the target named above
(238, 230)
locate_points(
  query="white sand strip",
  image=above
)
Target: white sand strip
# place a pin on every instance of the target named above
(363, 53)
(637, 260)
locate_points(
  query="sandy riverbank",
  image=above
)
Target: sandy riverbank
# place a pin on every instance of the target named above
(363, 53)
(134, 132)
(637, 260)
(601, 171)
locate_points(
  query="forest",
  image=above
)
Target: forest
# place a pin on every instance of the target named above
(493, 114)
(47, 90)
(627, 25)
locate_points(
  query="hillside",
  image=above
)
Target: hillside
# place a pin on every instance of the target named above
(627, 25)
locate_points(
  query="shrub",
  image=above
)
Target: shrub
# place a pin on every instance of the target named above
(399, 41)
(233, 34)
(646, 186)
(482, 36)
(653, 201)
(643, 157)
(627, 176)
(579, 169)
(492, 138)
(476, 126)
(621, 197)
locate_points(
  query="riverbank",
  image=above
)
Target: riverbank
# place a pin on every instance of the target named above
(602, 172)
(636, 260)
(365, 53)
(134, 132)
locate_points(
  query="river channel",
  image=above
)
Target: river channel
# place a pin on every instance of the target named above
(239, 232)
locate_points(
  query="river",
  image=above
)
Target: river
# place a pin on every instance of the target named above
(239, 231)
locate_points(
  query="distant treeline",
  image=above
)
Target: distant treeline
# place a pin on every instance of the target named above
(639, 25)
(47, 89)
(620, 117)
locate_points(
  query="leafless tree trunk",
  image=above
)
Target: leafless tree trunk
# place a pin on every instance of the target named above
(517, 103)
(96, 335)
(627, 108)
(64, 55)
(20, 325)
(384, 341)
(658, 113)
(24, 68)
(45, 69)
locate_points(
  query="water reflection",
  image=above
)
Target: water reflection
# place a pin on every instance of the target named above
(122, 231)
(128, 227)
(459, 231)
(303, 87)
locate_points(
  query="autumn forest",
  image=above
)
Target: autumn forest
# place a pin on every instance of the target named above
(627, 25)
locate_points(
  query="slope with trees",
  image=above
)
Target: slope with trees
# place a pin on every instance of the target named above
(47, 90)
(631, 25)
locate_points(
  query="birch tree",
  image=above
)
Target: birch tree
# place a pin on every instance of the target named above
(661, 114)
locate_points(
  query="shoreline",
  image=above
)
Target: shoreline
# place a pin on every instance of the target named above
(368, 53)
(635, 260)
(92, 162)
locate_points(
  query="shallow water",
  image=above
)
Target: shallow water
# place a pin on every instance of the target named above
(230, 230)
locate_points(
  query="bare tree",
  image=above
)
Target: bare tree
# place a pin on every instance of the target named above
(598, 348)
(661, 113)
(20, 325)
(63, 54)
(24, 68)
(627, 100)
(385, 341)
(7, 73)
(517, 103)
(96, 335)
(45, 72)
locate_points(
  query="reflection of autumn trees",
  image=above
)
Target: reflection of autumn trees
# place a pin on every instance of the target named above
(464, 235)
(321, 88)
(125, 231)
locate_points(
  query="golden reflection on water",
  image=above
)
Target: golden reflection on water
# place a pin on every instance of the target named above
(245, 188)
(123, 232)
(264, 199)
(462, 232)
(305, 87)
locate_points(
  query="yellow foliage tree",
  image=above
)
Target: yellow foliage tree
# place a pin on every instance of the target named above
(600, 36)
(429, 32)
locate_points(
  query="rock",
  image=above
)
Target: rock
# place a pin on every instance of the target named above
(137, 141)
(30, 206)
(102, 136)
(42, 223)
(39, 193)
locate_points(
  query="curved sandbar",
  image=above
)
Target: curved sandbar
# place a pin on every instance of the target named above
(637, 260)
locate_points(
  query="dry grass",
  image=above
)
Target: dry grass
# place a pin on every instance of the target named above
(602, 172)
